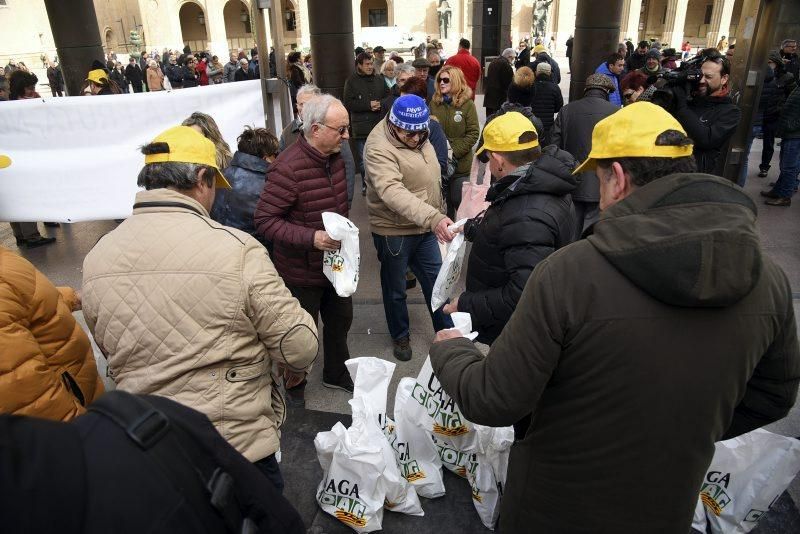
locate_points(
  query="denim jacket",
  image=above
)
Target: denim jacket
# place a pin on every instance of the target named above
(235, 206)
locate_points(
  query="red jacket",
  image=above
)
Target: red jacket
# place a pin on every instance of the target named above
(202, 72)
(301, 184)
(469, 65)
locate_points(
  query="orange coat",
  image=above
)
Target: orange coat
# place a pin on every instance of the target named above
(47, 367)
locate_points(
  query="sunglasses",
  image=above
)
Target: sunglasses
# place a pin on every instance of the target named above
(341, 130)
(444, 80)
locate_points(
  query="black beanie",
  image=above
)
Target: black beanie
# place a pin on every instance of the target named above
(520, 95)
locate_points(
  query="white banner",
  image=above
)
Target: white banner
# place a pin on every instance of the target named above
(77, 159)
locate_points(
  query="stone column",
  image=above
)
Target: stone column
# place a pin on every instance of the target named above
(215, 29)
(596, 32)
(77, 39)
(720, 21)
(673, 27)
(631, 10)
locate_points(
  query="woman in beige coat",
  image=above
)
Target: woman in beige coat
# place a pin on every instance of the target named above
(155, 78)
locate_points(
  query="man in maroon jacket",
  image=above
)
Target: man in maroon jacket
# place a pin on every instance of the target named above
(468, 64)
(305, 180)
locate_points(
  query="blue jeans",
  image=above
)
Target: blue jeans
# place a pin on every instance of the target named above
(396, 254)
(358, 145)
(790, 167)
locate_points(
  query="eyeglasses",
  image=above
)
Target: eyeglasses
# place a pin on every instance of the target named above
(341, 130)
(444, 80)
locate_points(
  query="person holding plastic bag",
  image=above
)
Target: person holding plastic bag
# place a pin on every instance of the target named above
(637, 348)
(305, 180)
(528, 219)
(405, 212)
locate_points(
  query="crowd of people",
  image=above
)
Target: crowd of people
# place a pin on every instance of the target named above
(616, 277)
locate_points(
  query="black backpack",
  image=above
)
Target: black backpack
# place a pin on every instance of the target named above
(138, 464)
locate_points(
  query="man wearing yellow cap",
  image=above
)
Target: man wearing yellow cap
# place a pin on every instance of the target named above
(637, 348)
(530, 216)
(189, 309)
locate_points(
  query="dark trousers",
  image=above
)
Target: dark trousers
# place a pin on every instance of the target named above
(25, 230)
(137, 87)
(397, 254)
(337, 317)
(768, 133)
(270, 468)
(56, 92)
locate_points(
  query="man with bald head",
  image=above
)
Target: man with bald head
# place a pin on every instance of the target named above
(305, 180)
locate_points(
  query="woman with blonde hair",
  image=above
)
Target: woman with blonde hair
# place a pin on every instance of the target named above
(453, 107)
(388, 73)
(206, 125)
(155, 78)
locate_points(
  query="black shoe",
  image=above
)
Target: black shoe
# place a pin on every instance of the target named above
(345, 384)
(402, 349)
(38, 241)
(763, 173)
(411, 283)
(782, 202)
(768, 193)
(52, 225)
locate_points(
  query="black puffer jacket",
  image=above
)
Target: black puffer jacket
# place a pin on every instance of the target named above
(530, 216)
(547, 101)
(572, 132)
(498, 78)
(771, 99)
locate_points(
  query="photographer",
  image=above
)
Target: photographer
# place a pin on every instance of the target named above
(702, 106)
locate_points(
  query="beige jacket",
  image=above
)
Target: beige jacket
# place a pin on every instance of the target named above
(405, 193)
(188, 309)
(155, 79)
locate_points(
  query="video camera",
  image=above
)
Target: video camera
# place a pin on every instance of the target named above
(687, 76)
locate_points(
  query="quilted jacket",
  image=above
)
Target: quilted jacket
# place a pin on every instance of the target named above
(192, 310)
(301, 184)
(47, 367)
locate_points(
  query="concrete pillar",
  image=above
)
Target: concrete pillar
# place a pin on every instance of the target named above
(596, 36)
(673, 26)
(331, 26)
(720, 21)
(77, 39)
(215, 28)
(630, 21)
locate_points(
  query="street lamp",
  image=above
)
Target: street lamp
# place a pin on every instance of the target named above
(244, 17)
(201, 19)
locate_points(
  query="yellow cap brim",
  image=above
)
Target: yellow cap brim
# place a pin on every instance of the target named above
(5, 161)
(508, 148)
(589, 165)
(222, 183)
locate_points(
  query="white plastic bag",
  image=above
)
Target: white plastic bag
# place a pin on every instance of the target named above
(450, 272)
(487, 475)
(371, 377)
(341, 266)
(745, 478)
(351, 489)
(417, 456)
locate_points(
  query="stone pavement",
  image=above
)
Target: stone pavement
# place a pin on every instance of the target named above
(369, 336)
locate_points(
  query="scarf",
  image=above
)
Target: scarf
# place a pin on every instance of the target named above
(304, 70)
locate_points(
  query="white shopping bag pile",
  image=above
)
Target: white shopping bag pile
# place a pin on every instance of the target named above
(379, 463)
(341, 266)
(745, 478)
(451, 268)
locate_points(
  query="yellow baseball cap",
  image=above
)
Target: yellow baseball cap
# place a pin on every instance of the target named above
(631, 133)
(502, 134)
(539, 49)
(5, 161)
(187, 145)
(97, 76)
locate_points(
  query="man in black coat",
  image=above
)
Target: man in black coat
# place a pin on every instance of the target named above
(710, 118)
(133, 73)
(572, 131)
(498, 78)
(789, 55)
(570, 42)
(530, 217)
(547, 100)
(56, 79)
(524, 56)
(638, 59)
(555, 70)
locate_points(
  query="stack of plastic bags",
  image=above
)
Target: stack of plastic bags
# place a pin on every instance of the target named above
(379, 463)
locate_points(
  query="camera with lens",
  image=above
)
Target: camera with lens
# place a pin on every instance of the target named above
(686, 77)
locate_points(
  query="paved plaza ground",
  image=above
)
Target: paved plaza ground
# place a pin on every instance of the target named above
(369, 336)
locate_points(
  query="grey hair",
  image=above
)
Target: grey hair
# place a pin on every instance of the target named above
(315, 111)
(786, 42)
(388, 63)
(509, 52)
(181, 176)
(403, 68)
(309, 89)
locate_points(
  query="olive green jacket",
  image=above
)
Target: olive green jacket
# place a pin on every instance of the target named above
(462, 130)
